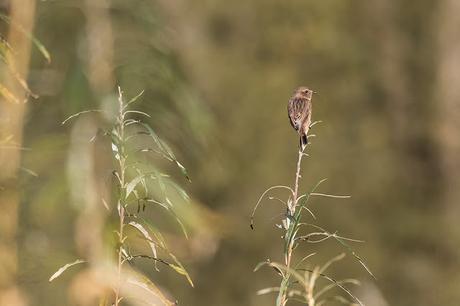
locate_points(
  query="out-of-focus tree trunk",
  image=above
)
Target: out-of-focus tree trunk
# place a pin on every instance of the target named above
(88, 166)
(406, 89)
(11, 128)
(448, 99)
(99, 66)
(100, 46)
(390, 65)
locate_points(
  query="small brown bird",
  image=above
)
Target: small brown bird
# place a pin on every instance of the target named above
(299, 112)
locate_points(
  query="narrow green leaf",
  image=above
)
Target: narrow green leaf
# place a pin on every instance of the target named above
(268, 290)
(63, 268)
(179, 268)
(141, 281)
(170, 210)
(34, 40)
(132, 185)
(260, 265)
(179, 190)
(138, 112)
(80, 113)
(355, 255)
(146, 234)
(8, 95)
(183, 170)
(133, 100)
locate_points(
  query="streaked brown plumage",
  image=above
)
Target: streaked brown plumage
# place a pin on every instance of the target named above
(299, 112)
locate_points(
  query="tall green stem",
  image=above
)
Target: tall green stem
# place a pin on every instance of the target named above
(290, 234)
(121, 211)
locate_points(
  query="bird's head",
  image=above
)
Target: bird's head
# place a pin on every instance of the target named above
(305, 92)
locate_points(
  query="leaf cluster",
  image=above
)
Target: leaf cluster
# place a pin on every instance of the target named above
(134, 194)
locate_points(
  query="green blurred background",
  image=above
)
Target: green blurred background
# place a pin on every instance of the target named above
(217, 76)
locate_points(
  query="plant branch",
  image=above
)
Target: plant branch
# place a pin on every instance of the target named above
(290, 231)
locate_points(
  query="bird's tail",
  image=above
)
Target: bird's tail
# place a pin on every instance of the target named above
(303, 141)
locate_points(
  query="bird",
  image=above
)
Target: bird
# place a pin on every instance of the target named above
(299, 112)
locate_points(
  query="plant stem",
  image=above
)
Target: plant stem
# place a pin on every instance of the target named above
(121, 208)
(297, 177)
(120, 259)
(282, 297)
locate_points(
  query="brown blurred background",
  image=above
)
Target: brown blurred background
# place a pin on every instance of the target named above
(217, 76)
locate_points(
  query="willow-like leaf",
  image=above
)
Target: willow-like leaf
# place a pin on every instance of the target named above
(183, 170)
(165, 150)
(146, 234)
(142, 282)
(355, 255)
(343, 288)
(262, 197)
(8, 95)
(134, 99)
(170, 210)
(268, 290)
(80, 113)
(333, 285)
(132, 184)
(64, 268)
(34, 40)
(179, 268)
(137, 112)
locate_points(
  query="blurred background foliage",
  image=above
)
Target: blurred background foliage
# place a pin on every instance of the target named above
(217, 76)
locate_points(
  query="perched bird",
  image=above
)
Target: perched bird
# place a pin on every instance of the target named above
(299, 112)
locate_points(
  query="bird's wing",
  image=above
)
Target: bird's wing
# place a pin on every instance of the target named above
(290, 110)
(306, 110)
(296, 109)
(306, 116)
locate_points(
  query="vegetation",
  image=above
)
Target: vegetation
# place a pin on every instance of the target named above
(133, 184)
(298, 283)
(216, 78)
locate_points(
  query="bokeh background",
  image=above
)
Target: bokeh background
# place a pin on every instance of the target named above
(217, 76)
